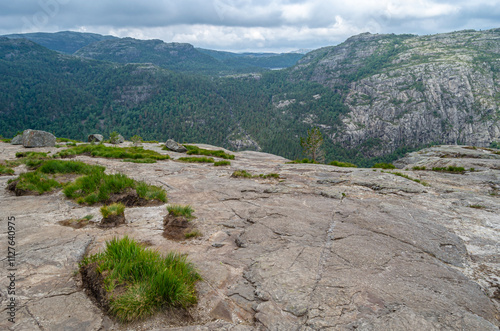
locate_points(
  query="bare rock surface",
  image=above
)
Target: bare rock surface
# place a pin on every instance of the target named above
(320, 248)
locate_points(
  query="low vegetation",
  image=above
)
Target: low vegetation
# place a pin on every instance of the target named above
(194, 150)
(305, 160)
(114, 209)
(408, 177)
(477, 206)
(384, 166)
(179, 210)
(343, 164)
(128, 153)
(147, 160)
(196, 159)
(5, 170)
(35, 182)
(222, 163)
(246, 174)
(140, 281)
(67, 140)
(98, 187)
(450, 169)
(193, 234)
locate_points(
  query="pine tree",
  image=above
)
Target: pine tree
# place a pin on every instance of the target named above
(312, 144)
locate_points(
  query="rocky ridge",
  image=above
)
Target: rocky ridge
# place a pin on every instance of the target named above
(322, 247)
(406, 90)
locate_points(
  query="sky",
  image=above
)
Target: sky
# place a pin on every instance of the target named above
(248, 25)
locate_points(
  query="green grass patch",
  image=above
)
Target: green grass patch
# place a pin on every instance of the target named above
(36, 182)
(150, 192)
(67, 140)
(193, 234)
(342, 164)
(477, 206)
(6, 140)
(242, 173)
(222, 163)
(193, 150)
(147, 280)
(306, 160)
(147, 160)
(271, 175)
(179, 210)
(114, 209)
(66, 167)
(5, 170)
(417, 168)
(246, 174)
(450, 169)
(196, 159)
(35, 155)
(384, 166)
(113, 152)
(408, 177)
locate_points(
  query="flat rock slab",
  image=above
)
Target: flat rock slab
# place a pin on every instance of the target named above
(321, 248)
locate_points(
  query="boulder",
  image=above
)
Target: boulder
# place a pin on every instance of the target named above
(17, 140)
(37, 138)
(175, 146)
(117, 139)
(97, 138)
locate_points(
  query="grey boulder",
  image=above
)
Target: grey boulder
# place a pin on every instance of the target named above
(97, 138)
(118, 139)
(175, 146)
(37, 138)
(17, 140)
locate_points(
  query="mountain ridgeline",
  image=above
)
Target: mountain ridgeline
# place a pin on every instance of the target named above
(374, 97)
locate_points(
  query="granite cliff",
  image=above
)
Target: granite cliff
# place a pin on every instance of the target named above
(321, 247)
(405, 90)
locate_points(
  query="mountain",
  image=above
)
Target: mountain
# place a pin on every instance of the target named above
(405, 90)
(180, 57)
(259, 60)
(65, 41)
(374, 97)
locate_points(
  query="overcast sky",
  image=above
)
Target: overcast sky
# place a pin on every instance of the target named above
(248, 25)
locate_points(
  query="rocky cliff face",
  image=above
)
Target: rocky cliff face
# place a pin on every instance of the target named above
(319, 248)
(412, 90)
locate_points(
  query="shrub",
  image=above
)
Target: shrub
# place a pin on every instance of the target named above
(136, 140)
(191, 150)
(384, 166)
(114, 209)
(179, 210)
(147, 280)
(113, 137)
(343, 164)
(222, 163)
(196, 159)
(450, 169)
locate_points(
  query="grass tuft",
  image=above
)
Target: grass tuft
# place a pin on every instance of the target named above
(133, 153)
(114, 209)
(193, 234)
(450, 169)
(306, 160)
(242, 173)
(384, 166)
(179, 210)
(148, 280)
(5, 170)
(196, 159)
(194, 150)
(343, 164)
(222, 163)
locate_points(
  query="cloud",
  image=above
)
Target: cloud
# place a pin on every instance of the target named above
(249, 24)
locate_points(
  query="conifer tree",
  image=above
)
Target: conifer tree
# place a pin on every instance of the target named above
(312, 144)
